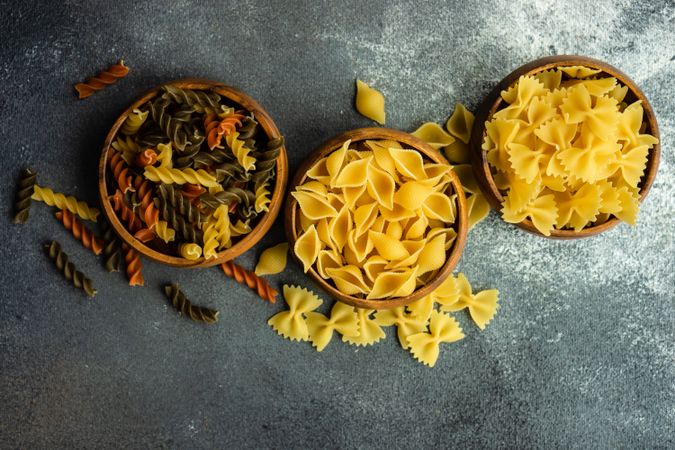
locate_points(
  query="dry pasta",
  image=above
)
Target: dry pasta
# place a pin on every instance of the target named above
(369, 102)
(272, 260)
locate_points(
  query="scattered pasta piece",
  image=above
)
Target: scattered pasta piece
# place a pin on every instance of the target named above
(68, 270)
(250, 279)
(369, 331)
(425, 346)
(406, 323)
(342, 319)
(186, 308)
(272, 260)
(48, 196)
(291, 323)
(460, 123)
(103, 79)
(23, 196)
(482, 305)
(434, 135)
(369, 102)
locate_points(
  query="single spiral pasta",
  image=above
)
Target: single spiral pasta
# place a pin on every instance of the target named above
(133, 223)
(164, 232)
(200, 99)
(171, 126)
(128, 147)
(102, 79)
(120, 172)
(262, 199)
(225, 127)
(79, 231)
(180, 176)
(68, 270)
(149, 212)
(111, 249)
(184, 229)
(133, 266)
(266, 162)
(186, 308)
(23, 195)
(190, 251)
(216, 231)
(147, 157)
(250, 279)
(134, 121)
(240, 151)
(176, 199)
(70, 203)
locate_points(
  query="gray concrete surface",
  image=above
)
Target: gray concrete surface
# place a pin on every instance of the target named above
(580, 354)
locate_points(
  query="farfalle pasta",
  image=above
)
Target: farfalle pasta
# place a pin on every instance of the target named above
(291, 323)
(566, 151)
(375, 219)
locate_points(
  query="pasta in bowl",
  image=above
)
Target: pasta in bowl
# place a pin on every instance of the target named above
(566, 147)
(377, 218)
(193, 173)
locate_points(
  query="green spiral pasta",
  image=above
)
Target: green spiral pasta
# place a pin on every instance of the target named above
(227, 197)
(23, 195)
(183, 228)
(266, 162)
(207, 158)
(111, 249)
(230, 172)
(202, 99)
(67, 268)
(172, 127)
(248, 129)
(181, 204)
(185, 306)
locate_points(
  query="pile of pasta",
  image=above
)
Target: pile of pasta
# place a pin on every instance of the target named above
(376, 219)
(567, 151)
(421, 327)
(190, 172)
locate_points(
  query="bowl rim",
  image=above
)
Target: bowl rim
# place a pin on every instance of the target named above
(361, 134)
(492, 102)
(264, 223)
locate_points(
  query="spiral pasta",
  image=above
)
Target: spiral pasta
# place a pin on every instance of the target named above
(133, 223)
(164, 232)
(51, 198)
(181, 204)
(133, 266)
(111, 249)
(250, 279)
(23, 195)
(147, 157)
(79, 231)
(240, 151)
(190, 251)
(172, 126)
(186, 308)
(262, 199)
(68, 270)
(102, 79)
(177, 222)
(178, 176)
(216, 231)
(201, 99)
(225, 127)
(120, 172)
(134, 121)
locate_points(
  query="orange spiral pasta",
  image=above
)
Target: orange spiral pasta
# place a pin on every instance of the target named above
(126, 214)
(120, 172)
(192, 191)
(147, 157)
(144, 235)
(79, 231)
(102, 79)
(149, 212)
(250, 279)
(224, 128)
(134, 266)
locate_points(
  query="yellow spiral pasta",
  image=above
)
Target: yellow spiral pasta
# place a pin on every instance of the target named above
(127, 147)
(168, 175)
(262, 198)
(190, 251)
(216, 232)
(241, 152)
(164, 232)
(165, 155)
(134, 121)
(48, 196)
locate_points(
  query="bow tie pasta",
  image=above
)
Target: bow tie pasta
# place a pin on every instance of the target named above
(567, 150)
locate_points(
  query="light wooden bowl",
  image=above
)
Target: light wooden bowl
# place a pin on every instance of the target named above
(362, 134)
(494, 102)
(263, 223)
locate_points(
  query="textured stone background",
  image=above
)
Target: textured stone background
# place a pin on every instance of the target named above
(581, 351)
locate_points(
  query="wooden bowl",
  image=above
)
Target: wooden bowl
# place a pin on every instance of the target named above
(362, 134)
(494, 102)
(263, 223)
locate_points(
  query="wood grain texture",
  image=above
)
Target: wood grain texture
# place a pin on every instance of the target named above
(265, 221)
(493, 102)
(291, 216)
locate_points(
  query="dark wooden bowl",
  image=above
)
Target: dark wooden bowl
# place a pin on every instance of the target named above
(453, 255)
(494, 102)
(264, 223)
